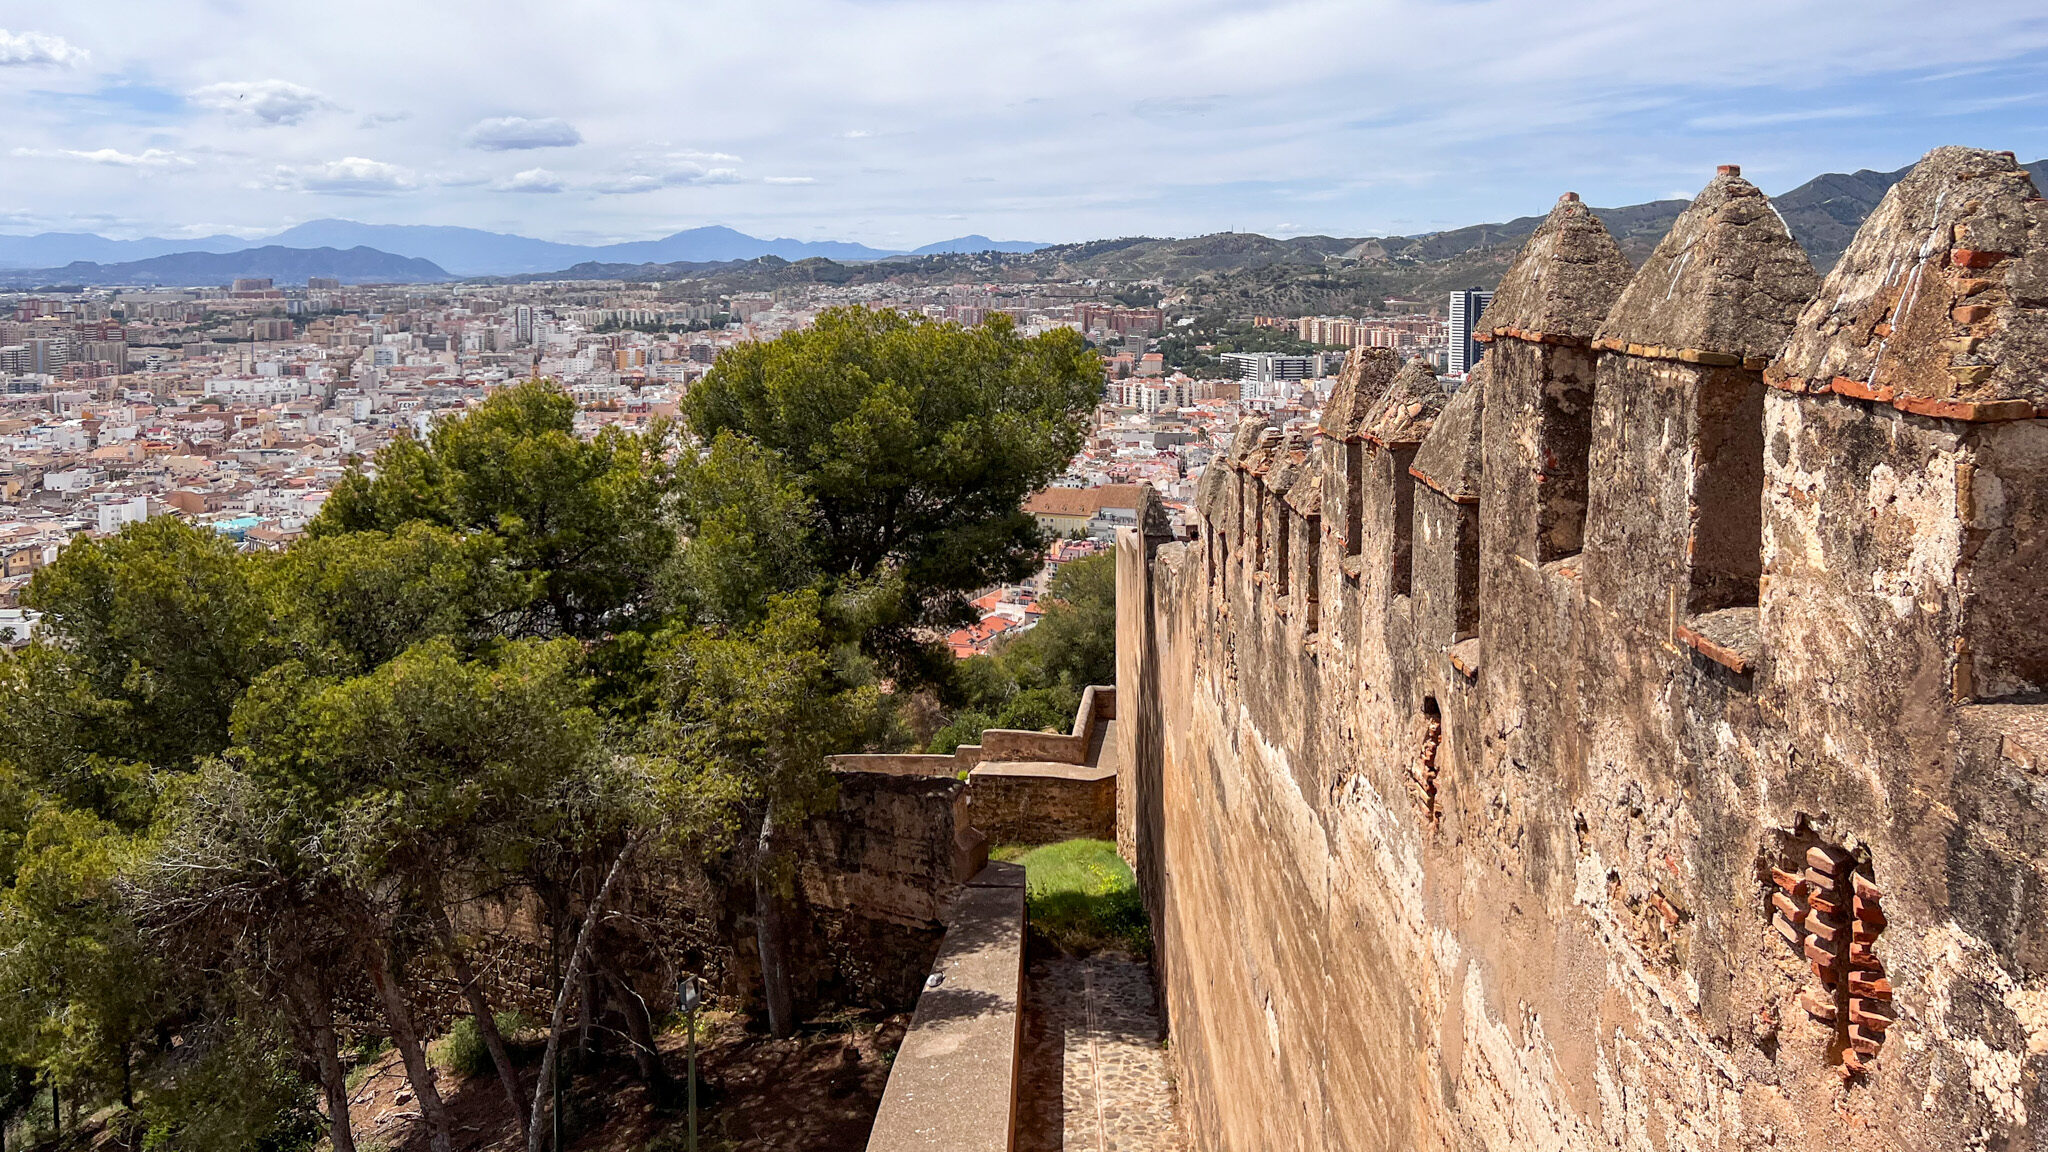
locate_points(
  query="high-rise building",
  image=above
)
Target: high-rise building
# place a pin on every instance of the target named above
(322, 283)
(522, 326)
(1466, 308)
(49, 354)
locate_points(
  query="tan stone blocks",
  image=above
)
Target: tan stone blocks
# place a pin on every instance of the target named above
(1973, 258)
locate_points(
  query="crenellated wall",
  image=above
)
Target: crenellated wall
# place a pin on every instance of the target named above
(1642, 747)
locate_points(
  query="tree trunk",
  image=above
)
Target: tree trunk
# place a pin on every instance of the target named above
(127, 1076)
(407, 1040)
(479, 1006)
(319, 1019)
(586, 1020)
(771, 937)
(639, 1032)
(570, 979)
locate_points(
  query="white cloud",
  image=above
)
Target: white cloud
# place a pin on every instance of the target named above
(23, 49)
(148, 158)
(1014, 136)
(626, 185)
(271, 101)
(672, 170)
(532, 180)
(1739, 120)
(348, 176)
(790, 180)
(509, 133)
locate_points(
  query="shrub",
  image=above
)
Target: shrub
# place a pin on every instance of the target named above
(463, 1052)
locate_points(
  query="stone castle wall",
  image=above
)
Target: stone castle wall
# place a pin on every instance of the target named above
(1641, 748)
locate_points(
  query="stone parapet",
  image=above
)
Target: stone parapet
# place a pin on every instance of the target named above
(1661, 764)
(953, 1086)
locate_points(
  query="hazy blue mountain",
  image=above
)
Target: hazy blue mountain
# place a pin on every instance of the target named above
(463, 251)
(977, 243)
(53, 248)
(286, 266)
(717, 243)
(1823, 213)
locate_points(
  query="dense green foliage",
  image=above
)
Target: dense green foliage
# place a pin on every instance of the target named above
(1034, 680)
(238, 791)
(915, 442)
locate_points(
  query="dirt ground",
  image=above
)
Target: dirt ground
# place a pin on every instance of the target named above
(816, 1091)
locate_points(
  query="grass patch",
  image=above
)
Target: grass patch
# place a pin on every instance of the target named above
(1083, 898)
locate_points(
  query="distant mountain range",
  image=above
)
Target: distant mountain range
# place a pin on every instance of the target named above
(470, 251)
(286, 266)
(1239, 270)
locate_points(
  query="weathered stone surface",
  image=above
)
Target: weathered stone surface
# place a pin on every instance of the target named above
(1564, 280)
(1940, 306)
(1039, 802)
(1304, 492)
(1406, 897)
(1365, 378)
(1251, 431)
(1213, 493)
(1449, 459)
(1409, 406)
(1727, 279)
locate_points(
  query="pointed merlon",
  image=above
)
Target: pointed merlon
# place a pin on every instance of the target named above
(1359, 386)
(1409, 408)
(1285, 466)
(1562, 284)
(1210, 496)
(1940, 304)
(1305, 493)
(1449, 459)
(1153, 521)
(1724, 286)
(1263, 454)
(1246, 439)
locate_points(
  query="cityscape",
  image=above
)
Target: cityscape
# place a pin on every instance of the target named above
(981, 576)
(239, 406)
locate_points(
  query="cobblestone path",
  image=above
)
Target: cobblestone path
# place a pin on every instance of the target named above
(1094, 1073)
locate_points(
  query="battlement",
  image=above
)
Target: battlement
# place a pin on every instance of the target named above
(1637, 738)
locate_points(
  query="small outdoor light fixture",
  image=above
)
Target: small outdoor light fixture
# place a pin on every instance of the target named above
(689, 996)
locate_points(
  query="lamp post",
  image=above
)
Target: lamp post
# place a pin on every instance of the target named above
(689, 996)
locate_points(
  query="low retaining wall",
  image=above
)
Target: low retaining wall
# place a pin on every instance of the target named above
(1043, 803)
(953, 1086)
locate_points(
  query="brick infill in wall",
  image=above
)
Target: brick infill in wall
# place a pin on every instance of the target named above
(1831, 912)
(1727, 637)
(1454, 497)
(1701, 356)
(1967, 411)
(1560, 339)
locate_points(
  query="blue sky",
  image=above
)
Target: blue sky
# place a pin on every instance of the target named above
(899, 122)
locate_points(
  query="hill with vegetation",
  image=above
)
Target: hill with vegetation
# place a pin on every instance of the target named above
(1244, 272)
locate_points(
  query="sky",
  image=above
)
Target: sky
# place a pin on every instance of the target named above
(901, 122)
